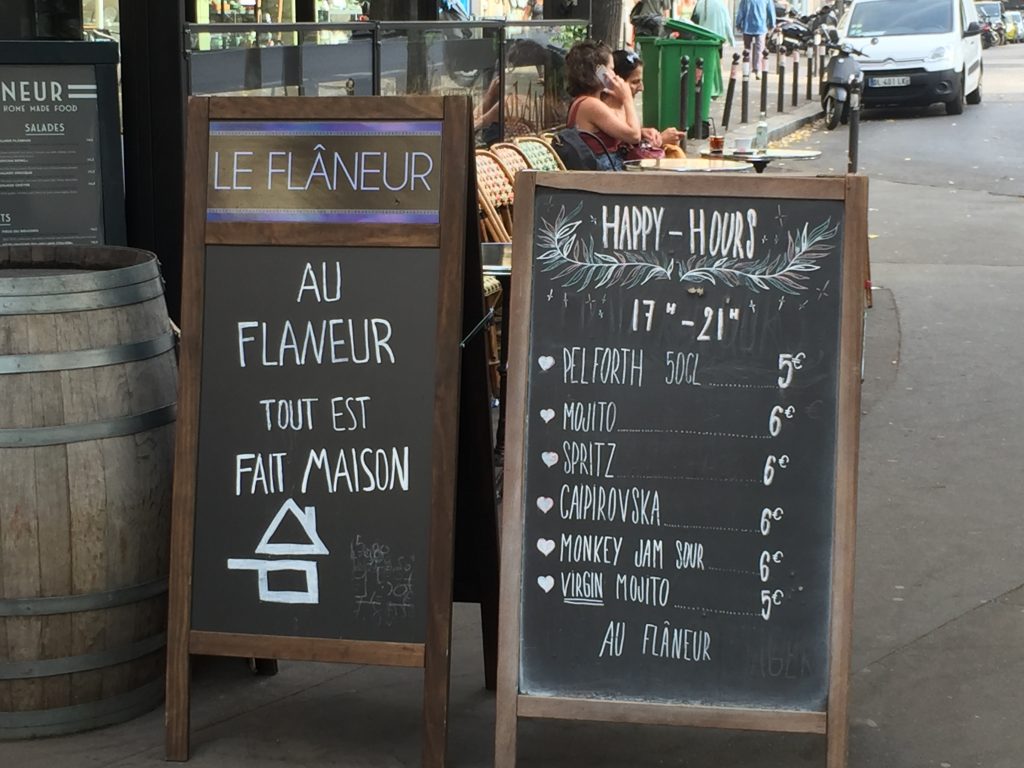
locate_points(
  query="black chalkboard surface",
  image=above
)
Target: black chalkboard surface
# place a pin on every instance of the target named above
(680, 488)
(314, 470)
(651, 441)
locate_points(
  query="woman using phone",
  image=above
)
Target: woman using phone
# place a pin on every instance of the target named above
(602, 103)
(630, 67)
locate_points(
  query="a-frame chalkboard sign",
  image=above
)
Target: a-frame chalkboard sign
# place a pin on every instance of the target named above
(315, 476)
(681, 461)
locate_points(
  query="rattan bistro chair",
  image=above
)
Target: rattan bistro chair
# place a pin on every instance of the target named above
(495, 196)
(512, 157)
(539, 154)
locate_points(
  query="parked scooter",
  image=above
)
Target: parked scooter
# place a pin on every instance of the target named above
(993, 31)
(797, 32)
(840, 70)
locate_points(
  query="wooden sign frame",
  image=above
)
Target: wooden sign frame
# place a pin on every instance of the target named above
(448, 236)
(511, 704)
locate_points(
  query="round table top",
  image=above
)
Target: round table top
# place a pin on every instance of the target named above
(764, 154)
(686, 165)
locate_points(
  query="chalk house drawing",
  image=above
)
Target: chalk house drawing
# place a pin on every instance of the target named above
(579, 265)
(314, 545)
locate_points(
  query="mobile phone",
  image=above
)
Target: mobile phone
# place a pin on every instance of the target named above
(604, 76)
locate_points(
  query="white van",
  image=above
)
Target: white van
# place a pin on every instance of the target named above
(917, 51)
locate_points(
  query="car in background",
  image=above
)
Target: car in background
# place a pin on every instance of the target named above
(917, 52)
(1014, 26)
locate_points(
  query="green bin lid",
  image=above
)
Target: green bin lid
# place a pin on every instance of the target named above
(690, 31)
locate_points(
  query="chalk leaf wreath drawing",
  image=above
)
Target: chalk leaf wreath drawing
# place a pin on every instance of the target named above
(582, 266)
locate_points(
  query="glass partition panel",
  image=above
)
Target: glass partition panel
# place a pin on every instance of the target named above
(444, 60)
(536, 99)
(281, 59)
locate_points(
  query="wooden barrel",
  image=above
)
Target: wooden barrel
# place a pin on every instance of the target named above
(87, 399)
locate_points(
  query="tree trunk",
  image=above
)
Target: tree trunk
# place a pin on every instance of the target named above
(606, 22)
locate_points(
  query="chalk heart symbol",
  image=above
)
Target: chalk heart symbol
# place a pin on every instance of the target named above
(545, 503)
(546, 582)
(545, 362)
(550, 458)
(546, 546)
(547, 414)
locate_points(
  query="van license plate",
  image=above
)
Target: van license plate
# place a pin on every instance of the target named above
(889, 82)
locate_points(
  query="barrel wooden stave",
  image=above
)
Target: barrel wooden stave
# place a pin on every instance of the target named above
(86, 517)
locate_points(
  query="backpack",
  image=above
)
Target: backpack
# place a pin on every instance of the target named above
(575, 153)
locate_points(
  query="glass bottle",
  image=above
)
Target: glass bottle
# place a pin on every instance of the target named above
(761, 134)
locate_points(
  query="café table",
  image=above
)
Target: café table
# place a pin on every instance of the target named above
(759, 158)
(687, 165)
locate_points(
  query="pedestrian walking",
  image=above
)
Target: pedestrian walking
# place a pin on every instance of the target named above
(713, 15)
(754, 18)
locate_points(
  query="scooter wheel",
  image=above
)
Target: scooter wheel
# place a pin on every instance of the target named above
(844, 113)
(832, 113)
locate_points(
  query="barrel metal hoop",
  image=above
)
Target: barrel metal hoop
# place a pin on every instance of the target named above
(90, 601)
(81, 717)
(66, 665)
(87, 358)
(77, 282)
(76, 302)
(35, 437)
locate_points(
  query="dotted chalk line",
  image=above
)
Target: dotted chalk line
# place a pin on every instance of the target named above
(732, 570)
(697, 433)
(713, 528)
(740, 386)
(716, 610)
(685, 477)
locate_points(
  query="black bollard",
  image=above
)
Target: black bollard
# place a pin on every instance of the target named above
(855, 86)
(745, 91)
(684, 87)
(697, 130)
(810, 73)
(796, 78)
(730, 90)
(764, 83)
(782, 84)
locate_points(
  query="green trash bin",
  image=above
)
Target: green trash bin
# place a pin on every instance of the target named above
(649, 55)
(697, 43)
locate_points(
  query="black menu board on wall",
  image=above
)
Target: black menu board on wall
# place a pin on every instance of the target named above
(60, 149)
(680, 486)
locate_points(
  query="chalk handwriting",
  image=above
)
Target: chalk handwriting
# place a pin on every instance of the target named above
(320, 286)
(359, 470)
(383, 583)
(317, 342)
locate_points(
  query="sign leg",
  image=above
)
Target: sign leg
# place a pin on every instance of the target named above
(506, 733)
(838, 738)
(435, 697)
(176, 723)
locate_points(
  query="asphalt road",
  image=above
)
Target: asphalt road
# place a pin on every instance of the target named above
(939, 619)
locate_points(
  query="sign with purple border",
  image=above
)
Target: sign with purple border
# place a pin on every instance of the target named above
(325, 172)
